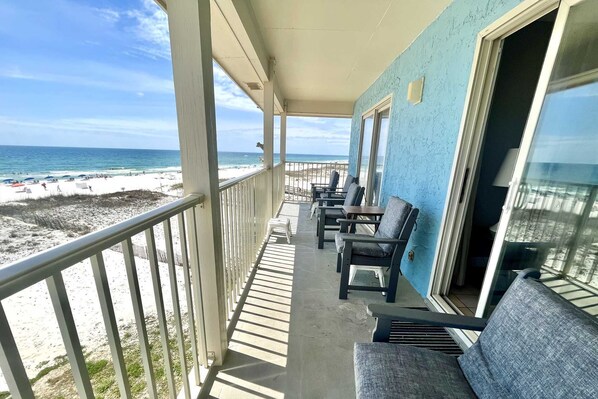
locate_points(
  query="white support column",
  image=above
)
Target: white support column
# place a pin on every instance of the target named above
(191, 46)
(283, 136)
(269, 134)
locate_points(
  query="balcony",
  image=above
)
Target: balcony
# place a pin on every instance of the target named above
(288, 333)
(292, 336)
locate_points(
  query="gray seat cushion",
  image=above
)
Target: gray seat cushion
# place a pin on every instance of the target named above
(333, 214)
(352, 194)
(360, 248)
(385, 370)
(348, 181)
(536, 345)
(393, 221)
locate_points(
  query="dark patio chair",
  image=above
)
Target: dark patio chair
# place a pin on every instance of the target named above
(330, 213)
(337, 193)
(382, 250)
(318, 189)
(535, 344)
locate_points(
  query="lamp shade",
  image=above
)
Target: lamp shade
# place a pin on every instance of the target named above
(505, 173)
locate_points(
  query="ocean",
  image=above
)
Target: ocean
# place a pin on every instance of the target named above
(20, 162)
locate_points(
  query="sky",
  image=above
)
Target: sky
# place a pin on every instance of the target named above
(98, 74)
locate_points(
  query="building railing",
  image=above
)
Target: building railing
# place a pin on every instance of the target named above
(561, 221)
(278, 186)
(48, 266)
(300, 175)
(244, 217)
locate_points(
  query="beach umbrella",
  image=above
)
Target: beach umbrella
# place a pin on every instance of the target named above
(66, 176)
(29, 179)
(49, 177)
(7, 181)
(81, 175)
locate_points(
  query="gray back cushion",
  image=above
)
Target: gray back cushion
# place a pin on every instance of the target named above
(352, 194)
(393, 220)
(334, 176)
(348, 181)
(536, 345)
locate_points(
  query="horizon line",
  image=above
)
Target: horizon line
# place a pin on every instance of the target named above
(153, 149)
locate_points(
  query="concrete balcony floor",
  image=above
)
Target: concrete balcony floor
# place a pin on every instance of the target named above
(294, 338)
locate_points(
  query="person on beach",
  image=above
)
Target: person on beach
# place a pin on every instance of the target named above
(58, 188)
(44, 186)
(90, 190)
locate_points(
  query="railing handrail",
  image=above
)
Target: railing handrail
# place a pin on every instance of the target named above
(27, 271)
(320, 163)
(235, 180)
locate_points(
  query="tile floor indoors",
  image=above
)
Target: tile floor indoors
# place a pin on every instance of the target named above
(294, 338)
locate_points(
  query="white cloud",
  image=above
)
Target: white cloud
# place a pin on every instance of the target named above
(150, 28)
(93, 74)
(111, 16)
(228, 94)
(131, 127)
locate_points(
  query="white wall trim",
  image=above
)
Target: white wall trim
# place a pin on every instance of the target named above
(473, 122)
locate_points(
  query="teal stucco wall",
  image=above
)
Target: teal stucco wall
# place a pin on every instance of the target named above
(422, 138)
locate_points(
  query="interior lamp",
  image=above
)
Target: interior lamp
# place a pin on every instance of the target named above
(505, 173)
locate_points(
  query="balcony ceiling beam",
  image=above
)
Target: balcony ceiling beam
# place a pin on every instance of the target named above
(334, 109)
(241, 22)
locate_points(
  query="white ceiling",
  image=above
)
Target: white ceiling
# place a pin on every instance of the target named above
(325, 50)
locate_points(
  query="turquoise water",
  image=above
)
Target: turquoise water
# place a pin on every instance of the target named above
(19, 162)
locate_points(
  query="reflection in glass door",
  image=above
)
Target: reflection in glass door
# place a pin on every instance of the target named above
(382, 138)
(551, 215)
(374, 135)
(367, 130)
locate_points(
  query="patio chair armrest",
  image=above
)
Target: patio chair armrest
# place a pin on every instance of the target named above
(330, 200)
(377, 240)
(357, 221)
(335, 191)
(329, 207)
(390, 312)
(319, 184)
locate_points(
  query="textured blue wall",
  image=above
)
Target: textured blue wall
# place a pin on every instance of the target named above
(422, 138)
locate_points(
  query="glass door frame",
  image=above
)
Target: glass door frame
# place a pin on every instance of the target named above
(526, 143)
(374, 112)
(473, 122)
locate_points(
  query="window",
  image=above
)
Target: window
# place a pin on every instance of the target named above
(372, 152)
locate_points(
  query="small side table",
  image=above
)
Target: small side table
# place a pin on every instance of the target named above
(282, 224)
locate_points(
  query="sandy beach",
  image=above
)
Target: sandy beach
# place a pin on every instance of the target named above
(159, 182)
(34, 220)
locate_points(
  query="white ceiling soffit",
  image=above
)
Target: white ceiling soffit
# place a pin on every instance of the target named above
(327, 52)
(333, 50)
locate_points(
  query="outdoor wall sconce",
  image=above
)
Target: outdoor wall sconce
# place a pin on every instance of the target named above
(415, 91)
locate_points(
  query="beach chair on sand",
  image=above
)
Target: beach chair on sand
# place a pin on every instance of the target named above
(337, 194)
(318, 189)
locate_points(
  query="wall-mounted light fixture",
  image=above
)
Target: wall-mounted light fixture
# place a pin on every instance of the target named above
(415, 91)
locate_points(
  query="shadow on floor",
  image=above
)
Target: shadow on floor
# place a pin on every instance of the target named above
(294, 338)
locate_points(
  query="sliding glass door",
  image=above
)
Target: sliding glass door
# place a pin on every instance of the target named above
(367, 132)
(550, 217)
(374, 137)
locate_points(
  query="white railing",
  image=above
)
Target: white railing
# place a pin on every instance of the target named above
(278, 186)
(300, 175)
(244, 219)
(49, 265)
(561, 220)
